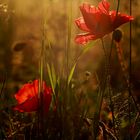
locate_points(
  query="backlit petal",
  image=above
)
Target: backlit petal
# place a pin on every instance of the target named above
(88, 8)
(104, 25)
(100, 21)
(28, 99)
(29, 105)
(27, 91)
(90, 15)
(119, 19)
(104, 6)
(84, 38)
(81, 24)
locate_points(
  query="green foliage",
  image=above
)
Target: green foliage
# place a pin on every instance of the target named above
(71, 73)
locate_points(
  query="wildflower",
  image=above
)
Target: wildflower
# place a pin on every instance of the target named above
(28, 98)
(98, 21)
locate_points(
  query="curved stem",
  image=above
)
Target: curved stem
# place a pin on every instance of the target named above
(100, 99)
(103, 84)
(103, 46)
(110, 90)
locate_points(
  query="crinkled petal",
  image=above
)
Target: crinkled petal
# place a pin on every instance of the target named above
(119, 19)
(29, 105)
(104, 6)
(28, 100)
(100, 21)
(32, 104)
(27, 91)
(88, 8)
(104, 25)
(84, 38)
(90, 15)
(81, 24)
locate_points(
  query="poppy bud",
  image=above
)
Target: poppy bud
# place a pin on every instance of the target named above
(117, 35)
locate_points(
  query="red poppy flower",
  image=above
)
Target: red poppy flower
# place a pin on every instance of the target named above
(98, 21)
(27, 97)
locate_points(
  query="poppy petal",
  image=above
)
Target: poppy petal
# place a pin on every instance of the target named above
(88, 8)
(104, 6)
(104, 25)
(24, 93)
(81, 24)
(27, 91)
(119, 19)
(28, 100)
(29, 105)
(90, 15)
(98, 21)
(84, 38)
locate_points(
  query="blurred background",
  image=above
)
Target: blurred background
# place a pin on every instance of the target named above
(21, 33)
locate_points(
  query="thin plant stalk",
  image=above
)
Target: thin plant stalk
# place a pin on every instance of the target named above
(67, 54)
(40, 111)
(69, 24)
(41, 90)
(105, 79)
(108, 67)
(64, 89)
(118, 6)
(108, 81)
(3, 84)
(130, 65)
(102, 87)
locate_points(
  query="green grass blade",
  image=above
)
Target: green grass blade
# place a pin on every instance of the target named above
(137, 136)
(50, 77)
(53, 74)
(71, 73)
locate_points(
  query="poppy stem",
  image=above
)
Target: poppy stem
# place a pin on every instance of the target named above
(103, 85)
(101, 95)
(118, 5)
(108, 63)
(110, 89)
(103, 46)
(110, 52)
